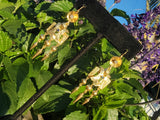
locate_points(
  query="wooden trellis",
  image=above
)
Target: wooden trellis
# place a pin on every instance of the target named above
(107, 27)
(111, 29)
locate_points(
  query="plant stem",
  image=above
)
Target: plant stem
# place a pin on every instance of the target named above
(143, 103)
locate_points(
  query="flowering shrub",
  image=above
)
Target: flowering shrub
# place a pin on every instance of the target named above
(146, 28)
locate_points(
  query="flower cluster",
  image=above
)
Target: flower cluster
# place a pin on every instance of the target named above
(146, 28)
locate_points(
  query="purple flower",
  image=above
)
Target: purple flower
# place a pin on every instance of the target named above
(147, 33)
(80, 22)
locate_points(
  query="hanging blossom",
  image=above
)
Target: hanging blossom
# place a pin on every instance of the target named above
(146, 29)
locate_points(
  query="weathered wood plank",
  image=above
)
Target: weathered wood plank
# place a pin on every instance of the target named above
(106, 24)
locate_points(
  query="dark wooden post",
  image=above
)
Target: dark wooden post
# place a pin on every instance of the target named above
(112, 30)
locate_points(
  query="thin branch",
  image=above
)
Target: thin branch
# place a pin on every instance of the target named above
(53, 80)
(143, 103)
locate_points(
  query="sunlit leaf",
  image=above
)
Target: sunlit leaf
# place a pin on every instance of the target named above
(120, 13)
(18, 4)
(61, 6)
(5, 4)
(87, 28)
(112, 114)
(8, 101)
(26, 90)
(18, 70)
(101, 113)
(72, 70)
(43, 18)
(5, 41)
(135, 83)
(64, 53)
(76, 115)
(115, 104)
(132, 74)
(42, 6)
(6, 15)
(29, 25)
(12, 26)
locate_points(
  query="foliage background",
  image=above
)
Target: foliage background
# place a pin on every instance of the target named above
(21, 24)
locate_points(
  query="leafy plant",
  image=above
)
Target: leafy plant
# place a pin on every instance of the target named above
(21, 23)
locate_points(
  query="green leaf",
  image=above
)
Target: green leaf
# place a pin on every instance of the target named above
(5, 41)
(132, 74)
(26, 90)
(6, 15)
(45, 65)
(107, 49)
(58, 99)
(18, 4)
(61, 6)
(38, 36)
(87, 28)
(112, 114)
(41, 77)
(12, 26)
(84, 62)
(72, 70)
(120, 13)
(75, 94)
(123, 87)
(104, 47)
(43, 18)
(135, 83)
(101, 113)
(26, 45)
(42, 6)
(29, 25)
(5, 4)
(1, 21)
(7, 62)
(18, 70)
(76, 115)
(14, 53)
(8, 101)
(131, 110)
(64, 53)
(115, 104)
(119, 96)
